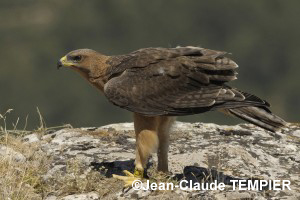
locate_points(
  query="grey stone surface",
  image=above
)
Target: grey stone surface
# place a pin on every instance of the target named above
(88, 196)
(31, 138)
(242, 151)
(9, 153)
(52, 197)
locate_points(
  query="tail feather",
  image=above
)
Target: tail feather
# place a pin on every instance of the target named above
(260, 116)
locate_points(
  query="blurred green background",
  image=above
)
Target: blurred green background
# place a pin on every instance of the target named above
(263, 37)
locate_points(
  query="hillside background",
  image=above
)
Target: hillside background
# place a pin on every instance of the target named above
(263, 37)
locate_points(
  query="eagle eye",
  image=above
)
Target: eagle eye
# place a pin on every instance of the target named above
(77, 58)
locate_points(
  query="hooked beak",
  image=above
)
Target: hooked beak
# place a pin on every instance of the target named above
(59, 64)
(63, 62)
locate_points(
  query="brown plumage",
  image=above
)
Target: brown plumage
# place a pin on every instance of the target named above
(158, 83)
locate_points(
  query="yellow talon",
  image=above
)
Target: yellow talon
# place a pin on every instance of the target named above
(130, 178)
(128, 173)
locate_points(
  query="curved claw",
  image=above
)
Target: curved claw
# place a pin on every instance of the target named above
(128, 173)
(129, 178)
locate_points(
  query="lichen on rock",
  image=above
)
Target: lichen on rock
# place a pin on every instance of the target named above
(221, 152)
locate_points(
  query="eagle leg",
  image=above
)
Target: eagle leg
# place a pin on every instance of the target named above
(165, 123)
(146, 143)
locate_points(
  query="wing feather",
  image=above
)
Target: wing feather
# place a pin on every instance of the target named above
(174, 81)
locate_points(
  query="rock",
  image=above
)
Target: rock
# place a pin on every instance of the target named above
(233, 195)
(9, 153)
(88, 196)
(134, 194)
(54, 170)
(31, 138)
(52, 197)
(296, 133)
(197, 151)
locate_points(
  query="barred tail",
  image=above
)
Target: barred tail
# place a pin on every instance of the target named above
(260, 116)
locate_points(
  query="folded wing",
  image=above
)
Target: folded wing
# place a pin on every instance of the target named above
(174, 81)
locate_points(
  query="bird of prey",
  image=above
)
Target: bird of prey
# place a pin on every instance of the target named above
(158, 84)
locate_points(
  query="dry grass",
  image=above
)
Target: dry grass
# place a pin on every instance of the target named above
(78, 178)
(20, 180)
(160, 177)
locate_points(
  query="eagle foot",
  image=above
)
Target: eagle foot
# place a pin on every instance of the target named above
(130, 178)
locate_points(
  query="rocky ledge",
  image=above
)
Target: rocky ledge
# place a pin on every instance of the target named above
(198, 151)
